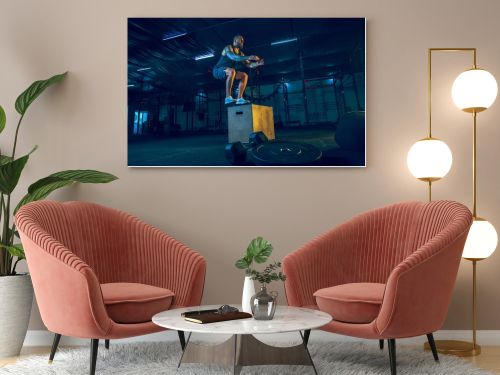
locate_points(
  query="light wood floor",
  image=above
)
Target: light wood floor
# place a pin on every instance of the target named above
(488, 360)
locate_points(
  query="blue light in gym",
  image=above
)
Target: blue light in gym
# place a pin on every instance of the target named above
(283, 41)
(204, 56)
(172, 36)
(142, 69)
(131, 85)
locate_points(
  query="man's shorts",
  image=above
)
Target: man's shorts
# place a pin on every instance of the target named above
(219, 72)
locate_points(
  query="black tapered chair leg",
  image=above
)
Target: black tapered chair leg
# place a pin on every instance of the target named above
(381, 344)
(432, 344)
(182, 339)
(94, 346)
(307, 333)
(106, 344)
(392, 355)
(55, 344)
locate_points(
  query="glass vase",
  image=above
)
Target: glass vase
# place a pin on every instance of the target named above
(263, 304)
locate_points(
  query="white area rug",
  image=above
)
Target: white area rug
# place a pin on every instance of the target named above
(162, 358)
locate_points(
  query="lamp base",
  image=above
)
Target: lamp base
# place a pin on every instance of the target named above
(456, 348)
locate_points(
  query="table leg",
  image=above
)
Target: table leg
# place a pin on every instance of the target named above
(246, 350)
(182, 339)
(305, 340)
(236, 366)
(184, 350)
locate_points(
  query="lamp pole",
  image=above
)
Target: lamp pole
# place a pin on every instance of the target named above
(454, 347)
(474, 164)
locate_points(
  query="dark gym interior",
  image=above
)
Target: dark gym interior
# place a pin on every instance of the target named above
(313, 78)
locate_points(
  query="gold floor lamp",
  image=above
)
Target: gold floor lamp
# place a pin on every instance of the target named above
(430, 159)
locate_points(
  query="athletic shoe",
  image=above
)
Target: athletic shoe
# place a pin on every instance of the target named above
(242, 101)
(229, 100)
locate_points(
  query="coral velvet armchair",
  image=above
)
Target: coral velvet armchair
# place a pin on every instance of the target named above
(385, 274)
(99, 273)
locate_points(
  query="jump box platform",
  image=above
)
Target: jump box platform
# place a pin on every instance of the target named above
(245, 119)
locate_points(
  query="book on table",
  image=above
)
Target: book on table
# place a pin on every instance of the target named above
(213, 316)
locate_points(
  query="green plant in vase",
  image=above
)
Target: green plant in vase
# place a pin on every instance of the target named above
(269, 274)
(16, 292)
(259, 250)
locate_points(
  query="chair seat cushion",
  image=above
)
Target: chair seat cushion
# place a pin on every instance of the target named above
(135, 303)
(351, 303)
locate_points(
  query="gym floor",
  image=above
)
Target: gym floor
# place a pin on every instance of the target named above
(208, 149)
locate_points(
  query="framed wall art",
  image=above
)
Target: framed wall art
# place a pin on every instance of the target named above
(247, 92)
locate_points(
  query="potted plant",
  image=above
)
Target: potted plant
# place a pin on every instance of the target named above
(16, 291)
(259, 250)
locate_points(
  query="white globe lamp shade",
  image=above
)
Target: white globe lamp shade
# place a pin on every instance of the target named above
(429, 159)
(474, 90)
(481, 241)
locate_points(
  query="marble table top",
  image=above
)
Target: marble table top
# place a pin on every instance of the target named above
(286, 319)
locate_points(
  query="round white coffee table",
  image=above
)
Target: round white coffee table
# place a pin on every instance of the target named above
(242, 348)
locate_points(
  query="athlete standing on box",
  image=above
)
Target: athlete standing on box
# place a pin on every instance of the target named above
(229, 66)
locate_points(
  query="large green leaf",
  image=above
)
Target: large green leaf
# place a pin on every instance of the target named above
(31, 93)
(259, 250)
(43, 187)
(3, 119)
(42, 193)
(15, 250)
(10, 172)
(86, 176)
(242, 263)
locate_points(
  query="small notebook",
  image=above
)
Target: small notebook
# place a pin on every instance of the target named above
(204, 317)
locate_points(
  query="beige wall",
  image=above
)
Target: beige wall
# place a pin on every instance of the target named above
(82, 124)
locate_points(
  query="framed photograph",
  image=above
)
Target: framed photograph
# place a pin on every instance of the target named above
(246, 92)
